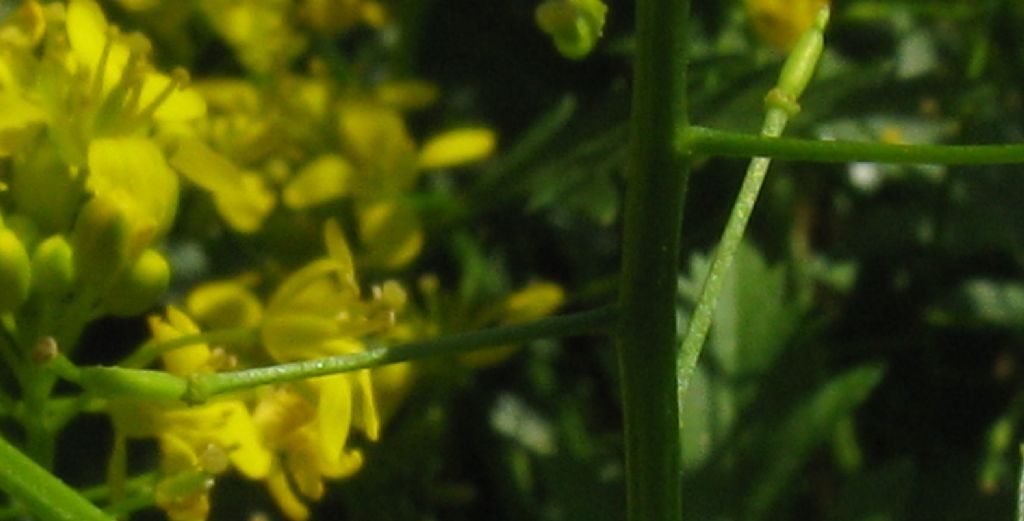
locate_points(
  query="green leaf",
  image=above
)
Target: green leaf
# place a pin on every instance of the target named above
(878, 495)
(755, 317)
(984, 302)
(44, 494)
(804, 429)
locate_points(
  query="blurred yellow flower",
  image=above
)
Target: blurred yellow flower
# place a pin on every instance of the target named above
(242, 198)
(337, 16)
(781, 22)
(457, 147)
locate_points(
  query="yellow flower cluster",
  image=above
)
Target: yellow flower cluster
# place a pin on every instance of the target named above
(85, 126)
(98, 147)
(291, 436)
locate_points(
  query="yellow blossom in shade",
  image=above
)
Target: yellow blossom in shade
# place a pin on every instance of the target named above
(781, 22)
(390, 233)
(536, 300)
(457, 147)
(242, 198)
(224, 304)
(410, 94)
(25, 26)
(376, 140)
(257, 30)
(20, 121)
(325, 179)
(336, 16)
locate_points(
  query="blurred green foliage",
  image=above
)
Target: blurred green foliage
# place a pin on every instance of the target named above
(870, 337)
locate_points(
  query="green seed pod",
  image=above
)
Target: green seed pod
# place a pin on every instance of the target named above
(15, 272)
(53, 267)
(100, 239)
(800, 65)
(575, 25)
(139, 286)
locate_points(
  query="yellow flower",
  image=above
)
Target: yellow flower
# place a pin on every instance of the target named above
(225, 304)
(257, 30)
(781, 22)
(134, 170)
(337, 16)
(201, 440)
(317, 311)
(457, 147)
(241, 197)
(536, 300)
(310, 438)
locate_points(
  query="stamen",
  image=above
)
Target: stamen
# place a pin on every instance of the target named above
(101, 66)
(179, 80)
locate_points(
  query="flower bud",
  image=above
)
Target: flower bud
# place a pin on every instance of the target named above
(100, 238)
(139, 286)
(53, 267)
(15, 272)
(575, 25)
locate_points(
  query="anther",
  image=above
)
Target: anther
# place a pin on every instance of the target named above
(45, 350)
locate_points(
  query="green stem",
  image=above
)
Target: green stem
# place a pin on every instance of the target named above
(732, 236)
(706, 141)
(656, 186)
(781, 103)
(159, 385)
(1020, 488)
(208, 385)
(43, 493)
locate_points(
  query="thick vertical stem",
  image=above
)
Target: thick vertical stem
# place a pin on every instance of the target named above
(648, 335)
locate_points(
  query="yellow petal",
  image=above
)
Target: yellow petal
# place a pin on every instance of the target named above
(224, 305)
(390, 233)
(19, 122)
(88, 33)
(281, 491)
(134, 168)
(781, 22)
(349, 464)
(243, 199)
(369, 419)
(325, 179)
(407, 94)
(181, 105)
(536, 300)
(341, 255)
(183, 360)
(334, 414)
(457, 147)
(25, 27)
(297, 336)
(247, 205)
(87, 30)
(204, 167)
(240, 436)
(377, 140)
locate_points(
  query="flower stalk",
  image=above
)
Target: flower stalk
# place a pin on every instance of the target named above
(647, 334)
